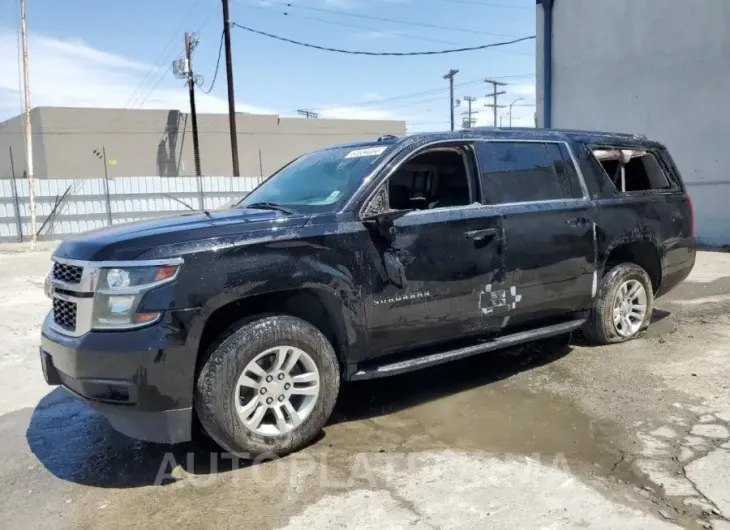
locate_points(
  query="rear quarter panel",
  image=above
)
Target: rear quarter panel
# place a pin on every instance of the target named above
(662, 218)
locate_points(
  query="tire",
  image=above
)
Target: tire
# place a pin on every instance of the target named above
(217, 392)
(601, 327)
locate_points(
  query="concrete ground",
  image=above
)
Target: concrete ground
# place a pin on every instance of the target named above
(544, 436)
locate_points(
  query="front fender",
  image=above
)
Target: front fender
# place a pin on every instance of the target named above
(232, 280)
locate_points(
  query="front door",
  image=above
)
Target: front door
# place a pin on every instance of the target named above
(455, 256)
(448, 246)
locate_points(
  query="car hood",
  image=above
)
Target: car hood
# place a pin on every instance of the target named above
(128, 241)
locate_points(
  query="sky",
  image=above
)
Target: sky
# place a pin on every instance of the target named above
(117, 53)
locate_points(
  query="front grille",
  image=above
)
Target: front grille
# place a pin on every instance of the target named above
(67, 273)
(64, 314)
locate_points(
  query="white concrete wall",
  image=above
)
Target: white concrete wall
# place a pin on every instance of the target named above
(657, 67)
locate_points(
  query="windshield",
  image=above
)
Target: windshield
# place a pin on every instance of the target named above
(317, 182)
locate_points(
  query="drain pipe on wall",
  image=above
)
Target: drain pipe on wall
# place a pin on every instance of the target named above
(547, 62)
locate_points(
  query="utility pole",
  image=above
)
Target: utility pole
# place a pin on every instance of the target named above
(494, 94)
(469, 121)
(231, 98)
(450, 77)
(308, 114)
(189, 45)
(510, 110)
(28, 131)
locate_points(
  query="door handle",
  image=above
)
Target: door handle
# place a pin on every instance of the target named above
(480, 235)
(576, 221)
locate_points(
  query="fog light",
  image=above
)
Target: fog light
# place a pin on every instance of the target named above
(120, 305)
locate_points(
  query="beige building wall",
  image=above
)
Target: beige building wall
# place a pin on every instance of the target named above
(160, 142)
(12, 145)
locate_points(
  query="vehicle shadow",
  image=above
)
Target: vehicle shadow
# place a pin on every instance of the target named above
(367, 399)
(77, 444)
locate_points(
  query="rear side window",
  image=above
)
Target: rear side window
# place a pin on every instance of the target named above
(526, 172)
(642, 172)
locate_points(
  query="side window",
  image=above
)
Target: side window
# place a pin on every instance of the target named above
(565, 170)
(642, 172)
(435, 178)
(520, 172)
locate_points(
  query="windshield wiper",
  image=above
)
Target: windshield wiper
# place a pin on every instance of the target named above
(270, 206)
(206, 212)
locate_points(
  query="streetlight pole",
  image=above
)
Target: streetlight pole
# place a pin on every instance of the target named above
(510, 110)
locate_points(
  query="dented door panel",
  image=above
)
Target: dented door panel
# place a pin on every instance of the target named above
(453, 254)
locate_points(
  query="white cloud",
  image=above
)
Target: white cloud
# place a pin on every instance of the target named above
(357, 113)
(70, 73)
(526, 90)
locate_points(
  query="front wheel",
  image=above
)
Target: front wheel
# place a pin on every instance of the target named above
(623, 305)
(269, 387)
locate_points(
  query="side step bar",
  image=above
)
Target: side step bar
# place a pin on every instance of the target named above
(433, 359)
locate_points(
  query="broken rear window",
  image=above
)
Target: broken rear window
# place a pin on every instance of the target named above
(633, 170)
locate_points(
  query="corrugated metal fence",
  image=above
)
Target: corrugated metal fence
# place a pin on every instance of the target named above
(66, 206)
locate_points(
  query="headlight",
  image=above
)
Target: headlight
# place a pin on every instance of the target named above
(119, 279)
(120, 291)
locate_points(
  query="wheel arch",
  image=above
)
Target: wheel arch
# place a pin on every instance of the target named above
(317, 305)
(642, 252)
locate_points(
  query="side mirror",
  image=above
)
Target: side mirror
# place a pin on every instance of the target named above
(383, 222)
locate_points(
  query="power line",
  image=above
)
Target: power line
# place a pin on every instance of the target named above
(154, 87)
(487, 4)
(381, 54)
(217, 64)
(157, 65)
(355, 26)
(392, 20)
(169, 68)
(378, 102)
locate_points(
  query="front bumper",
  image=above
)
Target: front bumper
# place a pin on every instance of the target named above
(140, 380)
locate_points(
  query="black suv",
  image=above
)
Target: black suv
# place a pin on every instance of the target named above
(363, 261)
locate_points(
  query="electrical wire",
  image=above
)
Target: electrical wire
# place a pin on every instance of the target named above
(487, 4)
(355, 26)
(157, 65)
(422, 93)
(384, 19)
(169, 68)
(154, 86)
(381, 54)
(217, 65)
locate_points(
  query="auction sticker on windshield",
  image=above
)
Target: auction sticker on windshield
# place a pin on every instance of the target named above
(370, 151)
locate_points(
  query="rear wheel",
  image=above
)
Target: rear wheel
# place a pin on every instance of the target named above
(269, 387)
(623, 305)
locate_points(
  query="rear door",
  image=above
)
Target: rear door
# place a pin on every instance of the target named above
(549, 227)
